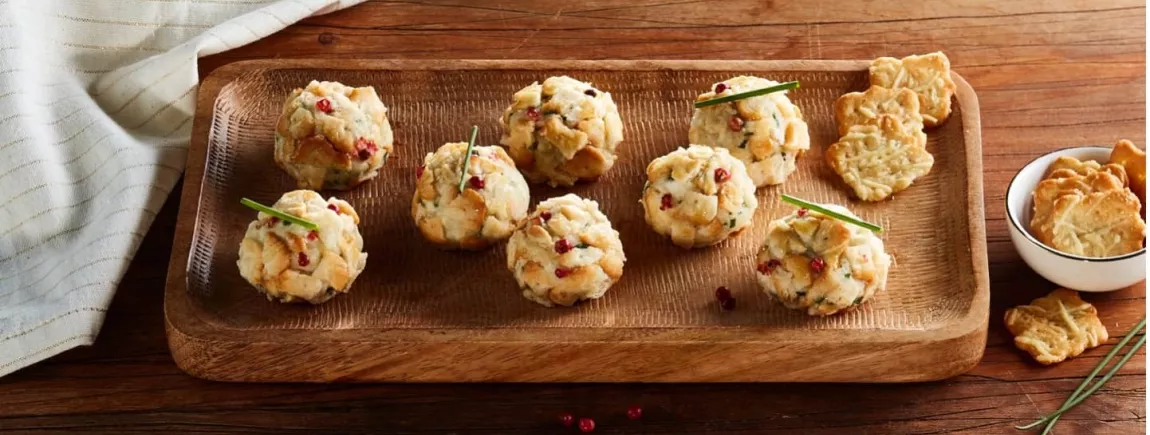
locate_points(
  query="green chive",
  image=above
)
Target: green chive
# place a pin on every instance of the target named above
(1075, 397)
(467, 158)
(279, 214)
(819, 209)
(857, 301)
(582, 246)
(748, 94)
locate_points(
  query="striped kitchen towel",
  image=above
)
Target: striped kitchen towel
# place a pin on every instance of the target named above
(96, 103)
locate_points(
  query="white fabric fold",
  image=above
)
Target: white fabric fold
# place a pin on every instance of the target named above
(96, 103)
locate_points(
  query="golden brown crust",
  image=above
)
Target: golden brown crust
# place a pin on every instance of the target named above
(1056, 327)
(865, 108)
(927, 75)
(877, 161)
(1133, 161)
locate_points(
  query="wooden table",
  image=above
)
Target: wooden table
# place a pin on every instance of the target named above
(1049, 74)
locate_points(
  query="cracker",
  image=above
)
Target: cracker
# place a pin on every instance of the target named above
(864, 108)
(1055, 327)
(927, 75)
(879, 160)
(1099, 224)
(1133, 160)
(1051, 189)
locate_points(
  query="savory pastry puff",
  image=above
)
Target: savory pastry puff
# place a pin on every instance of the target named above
(562, 131)
(290, 263)
(1133, 160)
(927, 75)
(565, 251)
(1056, 327)
(699, 196)
(767, 133)
(877, 161)
(816, 263)
(331, 136)
(865, 108)
(493, 200)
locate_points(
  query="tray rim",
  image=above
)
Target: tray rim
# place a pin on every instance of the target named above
(185, 330)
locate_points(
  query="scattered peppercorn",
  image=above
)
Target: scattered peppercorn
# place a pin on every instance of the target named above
(312, 235)
(324, 105)
(332, 207)
(566, 419)
(735, 123)
(817, 265)
(476, 183)
(719, 88)
(562, 272)
(533, 113)
(634, 412)
(562, 246)
(303, 260)
(546, 216)
(722, 175)
(769, 266)
(586, 424)
(666, 204)
(590, 92)
(727, 304)
(722, 294)
(419, 173)
(802, 212)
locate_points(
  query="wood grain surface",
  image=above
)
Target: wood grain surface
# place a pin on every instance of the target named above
(1049, 74)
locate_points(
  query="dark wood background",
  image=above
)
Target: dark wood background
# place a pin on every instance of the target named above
(1049, 74)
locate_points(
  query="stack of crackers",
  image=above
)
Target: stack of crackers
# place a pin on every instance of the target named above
(1090, 209)
(882, 148)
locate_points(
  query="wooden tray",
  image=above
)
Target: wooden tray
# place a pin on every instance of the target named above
(420, 314)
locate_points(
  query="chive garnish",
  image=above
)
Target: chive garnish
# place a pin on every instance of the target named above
(1078, 395)
(819, 209)
(748, 94)
(279, 214)
(467, 158)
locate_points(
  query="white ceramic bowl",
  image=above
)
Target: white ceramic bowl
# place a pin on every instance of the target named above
(1071, 271)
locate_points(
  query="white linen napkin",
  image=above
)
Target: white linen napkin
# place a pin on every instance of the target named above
(96, 103)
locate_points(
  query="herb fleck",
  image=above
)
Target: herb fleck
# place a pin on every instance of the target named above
(847, 275)
(857, 301)
(731, 224)
(582, 246)
(743, 144)
(820, 300)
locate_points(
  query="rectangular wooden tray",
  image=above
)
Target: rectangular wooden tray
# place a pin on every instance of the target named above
(420, 314)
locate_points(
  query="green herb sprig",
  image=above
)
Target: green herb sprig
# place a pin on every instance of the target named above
(1078, 395)
(467, 158)
(279, 214)
(748, 94)
(821, 210)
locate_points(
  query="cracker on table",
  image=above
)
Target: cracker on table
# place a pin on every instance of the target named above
(1056, 327)
(864, 108)
(927, 75)
(877, 161)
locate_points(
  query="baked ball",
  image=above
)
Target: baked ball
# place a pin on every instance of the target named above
(698, 196)
(331, 136)
(565, 252)
(290, 263)
(820, 264)
(767, 133)
(494, 198)
(562, 131)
